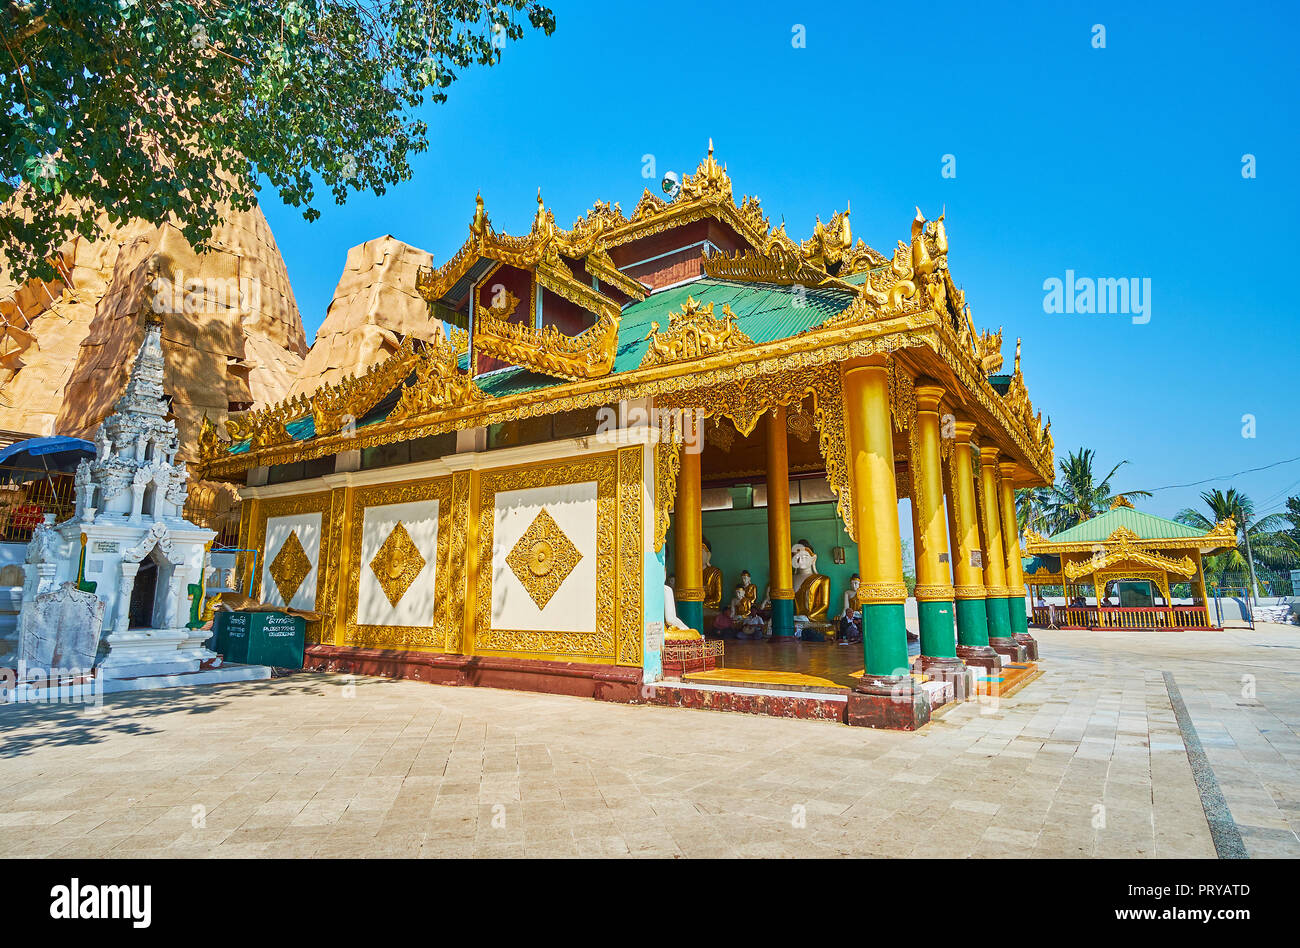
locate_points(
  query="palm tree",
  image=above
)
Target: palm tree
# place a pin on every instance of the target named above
(1031, 509)
(1266, 538)
(1075, 497)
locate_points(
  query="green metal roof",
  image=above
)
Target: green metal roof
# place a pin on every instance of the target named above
(764, 312)
(1146, 526)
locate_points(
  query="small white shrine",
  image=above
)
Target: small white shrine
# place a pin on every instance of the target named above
(129, 536)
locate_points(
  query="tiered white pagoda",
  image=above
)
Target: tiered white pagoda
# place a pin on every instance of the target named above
(129, 537)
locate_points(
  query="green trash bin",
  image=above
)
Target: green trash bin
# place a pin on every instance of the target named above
(261, 638)
(232, 636)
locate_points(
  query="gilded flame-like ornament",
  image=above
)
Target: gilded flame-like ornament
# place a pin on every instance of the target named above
(693, 333)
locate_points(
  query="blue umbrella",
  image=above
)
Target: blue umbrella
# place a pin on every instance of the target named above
(56, 453)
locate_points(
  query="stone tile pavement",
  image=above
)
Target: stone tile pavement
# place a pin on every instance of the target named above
(1088, 760)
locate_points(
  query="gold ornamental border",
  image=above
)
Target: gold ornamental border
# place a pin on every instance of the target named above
(630, 583)
(590, 646)
(433, 636)
(273, 507)
(1104, 576)
(821, 346)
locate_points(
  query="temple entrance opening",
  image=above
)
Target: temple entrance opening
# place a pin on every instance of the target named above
(143, 595)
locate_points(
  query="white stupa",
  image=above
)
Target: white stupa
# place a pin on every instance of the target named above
(129, 527)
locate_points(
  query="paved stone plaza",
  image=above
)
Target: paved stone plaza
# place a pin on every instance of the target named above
(324, 765)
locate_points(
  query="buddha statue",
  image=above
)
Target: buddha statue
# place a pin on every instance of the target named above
(751, 592)
(712, 579)
(675, 630)
(812, 590)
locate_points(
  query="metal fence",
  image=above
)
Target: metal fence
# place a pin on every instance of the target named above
(28, 494)
(1269, 582)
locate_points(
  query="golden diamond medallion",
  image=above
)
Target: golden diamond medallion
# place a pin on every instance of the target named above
(290, 567)
(543, 558)
(397, 564)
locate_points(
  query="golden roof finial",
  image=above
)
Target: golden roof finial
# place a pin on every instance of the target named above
(480, 216)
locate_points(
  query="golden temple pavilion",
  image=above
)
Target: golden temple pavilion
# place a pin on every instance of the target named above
(682, 390)
(1130, 564)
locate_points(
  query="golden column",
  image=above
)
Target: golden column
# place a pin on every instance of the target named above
(967, 567)
(885, 695)
(688, 540)
(995, 564)
(1015, 566)
(780, 573)
(934, 592)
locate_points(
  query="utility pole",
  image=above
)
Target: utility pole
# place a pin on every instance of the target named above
(1250, 560)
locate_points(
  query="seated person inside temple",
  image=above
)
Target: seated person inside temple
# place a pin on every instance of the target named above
(730, 619)
(739, 618)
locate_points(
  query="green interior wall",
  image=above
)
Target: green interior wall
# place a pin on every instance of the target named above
(738, 538)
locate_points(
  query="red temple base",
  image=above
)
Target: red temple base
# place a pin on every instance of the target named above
(579, 679)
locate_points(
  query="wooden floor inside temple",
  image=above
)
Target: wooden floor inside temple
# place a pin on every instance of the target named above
(794, 665)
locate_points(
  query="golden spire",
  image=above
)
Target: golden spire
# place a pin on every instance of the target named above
(480, 216)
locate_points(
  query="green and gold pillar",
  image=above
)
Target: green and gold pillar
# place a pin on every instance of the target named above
(688, 541)
(995, 564)
(780, 575)
(1015, 566)
(886, 695)
(934, 592)
(967, 562)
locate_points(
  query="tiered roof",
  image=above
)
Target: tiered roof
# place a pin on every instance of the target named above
(767, 305)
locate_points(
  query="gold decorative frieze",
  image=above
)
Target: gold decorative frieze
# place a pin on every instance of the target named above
(694, 333)
(289, 567)
(543, 558)
(935, 592)
(396, 564)
(869, 593)
(630, 530)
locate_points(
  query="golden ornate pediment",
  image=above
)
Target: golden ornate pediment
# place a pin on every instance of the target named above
(694, 333)
(1123, 546)
(590, 354)
(437, 383)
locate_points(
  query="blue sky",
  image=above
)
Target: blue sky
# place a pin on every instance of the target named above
(1117, 162)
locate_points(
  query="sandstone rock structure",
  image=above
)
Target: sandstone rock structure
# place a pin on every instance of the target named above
(375, 306)
(232, 333)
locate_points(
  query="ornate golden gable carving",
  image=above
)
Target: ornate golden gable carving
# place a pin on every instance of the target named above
(1124, 546)
(692, 334)
(988, 349)
(590, 354)
(1022, 410)
(335, 406)
(438, 383)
